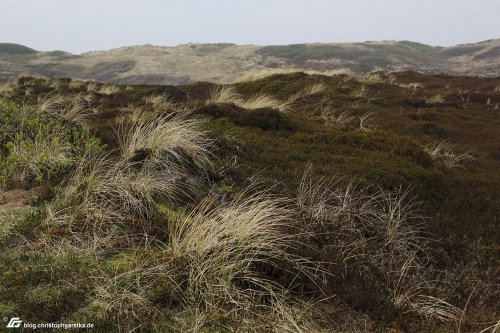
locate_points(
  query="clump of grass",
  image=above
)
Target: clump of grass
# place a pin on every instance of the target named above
(104, 197)
(347, 120)
(363, 225)
(29, 92)
(96, 209)
(131, 114)
(56, 84)
(73, 108)
(263, 101)
(411, 293)
(93, 87)
(412, 85)
(110, 90)
(388, 215)
(7, 89)
(224, 95)
(381, 77)
(168, 141)
(308, 90)
(366, 123)
(120, 299)
(221, 245)
(77, 84)
(210, 265)
(443, 152)
(343, 121)
(436, 99)
(228, 94)
(361, 92)
(161, 103)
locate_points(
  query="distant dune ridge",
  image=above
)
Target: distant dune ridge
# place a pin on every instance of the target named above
(223, 63)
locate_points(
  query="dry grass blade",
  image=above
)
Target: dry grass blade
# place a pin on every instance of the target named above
(366, 122)
(342, 121)
(495, 328)
(396, 224)
(443, 151)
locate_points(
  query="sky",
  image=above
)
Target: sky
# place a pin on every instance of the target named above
(84, 25)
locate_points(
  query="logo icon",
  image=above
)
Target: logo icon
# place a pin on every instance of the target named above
(14, 322)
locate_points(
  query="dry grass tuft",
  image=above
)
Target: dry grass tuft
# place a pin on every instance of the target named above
(307, 91)
(110, 90)
(443, 151)
(161, 103)
(315, 89)
(97, 208)
(436, 99)
(411, 294)
(77, 84)
(347, 120)
(122, 298)
(361, 92)
(74, 108)
(221, 245)
(223, 95)
(228, 94)
(381, 77)
(169, 141)
(93, 87)
(339, 218)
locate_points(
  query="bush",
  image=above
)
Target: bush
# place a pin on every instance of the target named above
(39, 146)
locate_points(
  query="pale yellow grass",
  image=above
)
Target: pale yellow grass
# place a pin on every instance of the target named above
(228, 95)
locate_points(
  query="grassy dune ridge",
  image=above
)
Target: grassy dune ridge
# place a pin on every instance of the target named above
(288, 203)
(225, 63)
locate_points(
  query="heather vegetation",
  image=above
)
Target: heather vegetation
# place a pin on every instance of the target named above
(287, 203)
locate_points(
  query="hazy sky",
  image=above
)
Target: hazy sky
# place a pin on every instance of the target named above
(83, 25)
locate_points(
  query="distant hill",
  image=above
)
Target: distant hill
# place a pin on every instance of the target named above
(222, 63)
(11, 48)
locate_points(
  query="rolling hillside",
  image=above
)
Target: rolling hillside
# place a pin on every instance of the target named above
(223, 63)
(291, 203)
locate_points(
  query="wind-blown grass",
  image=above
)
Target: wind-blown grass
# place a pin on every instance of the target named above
(161, 102)
(73, 108)
(339, 218)
(222, 244)
(110, 90)
(228, 95)
(347, 120)
(168, 141)
(443, 151)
